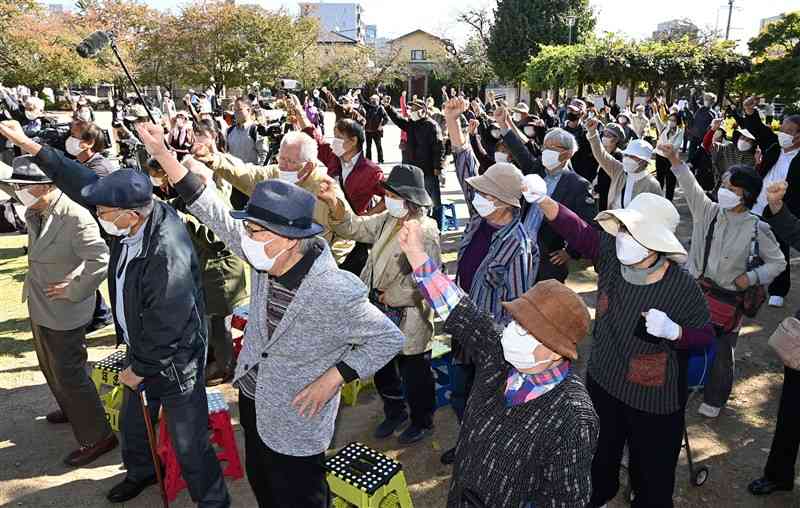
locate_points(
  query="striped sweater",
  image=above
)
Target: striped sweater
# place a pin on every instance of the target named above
(620, 305)
(509, 268)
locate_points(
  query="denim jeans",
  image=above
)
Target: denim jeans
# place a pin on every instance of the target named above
(186, 410)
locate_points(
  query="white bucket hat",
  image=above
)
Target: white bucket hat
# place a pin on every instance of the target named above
(651, 220)
(639, 148)
(746, 133)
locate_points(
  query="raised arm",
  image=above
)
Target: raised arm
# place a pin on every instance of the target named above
(69, 175)
(606, 161)
(699, 203)
(765, 138)
(397, 119)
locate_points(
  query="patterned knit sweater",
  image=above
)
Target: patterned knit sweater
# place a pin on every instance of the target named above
(534, 454)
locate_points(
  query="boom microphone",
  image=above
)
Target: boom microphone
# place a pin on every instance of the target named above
(92, 45)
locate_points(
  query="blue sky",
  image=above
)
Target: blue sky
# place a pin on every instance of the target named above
(634, 19)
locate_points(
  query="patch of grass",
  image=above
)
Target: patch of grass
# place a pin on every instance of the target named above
(15, 330)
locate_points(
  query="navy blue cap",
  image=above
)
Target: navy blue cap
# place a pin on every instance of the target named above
(124, 188)
(283, 208)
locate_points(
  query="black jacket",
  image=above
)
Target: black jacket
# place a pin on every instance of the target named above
(376, 117)
(767, 140)
(164, 304)
(583, 162)
(572, 191)
(424, 145)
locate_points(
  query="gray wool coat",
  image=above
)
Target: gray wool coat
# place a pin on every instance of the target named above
(329, 320)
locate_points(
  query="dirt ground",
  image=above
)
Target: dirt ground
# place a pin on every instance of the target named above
(734, 446)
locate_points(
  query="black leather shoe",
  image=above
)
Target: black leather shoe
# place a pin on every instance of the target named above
(764, 487)
(129, 489)
(389, 426)
(448, 457)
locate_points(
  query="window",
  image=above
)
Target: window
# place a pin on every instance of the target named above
(417, 55)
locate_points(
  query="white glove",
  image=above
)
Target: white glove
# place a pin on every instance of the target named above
(660, 325)
(533, 188)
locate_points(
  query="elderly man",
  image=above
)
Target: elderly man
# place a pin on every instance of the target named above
(359, 177)
(246, 141)
(424, 149)
(157, 299)
(583, 162)
(297, 165)
(67, 261)
(311, 329)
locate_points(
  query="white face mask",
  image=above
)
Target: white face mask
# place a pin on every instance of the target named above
(157, 182)
(111, 228)
(396, 207)
(785, 140)
(743, 145)
(337, 146)
(629, 251)
(496, 133)
(518, 347)
(500, 157)
(415, 116)
(727, 199)
(73, 146)
(550, 159)
(516, 117)
(31, 115)
(85, 116)
(256, 256)
(289, 176)
(483, 206)
(630, 165)
(26, 198)
(530, 131)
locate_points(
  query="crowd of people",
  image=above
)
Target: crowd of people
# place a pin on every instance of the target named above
(347, 281)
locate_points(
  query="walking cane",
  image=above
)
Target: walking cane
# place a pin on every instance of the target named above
(151, 439)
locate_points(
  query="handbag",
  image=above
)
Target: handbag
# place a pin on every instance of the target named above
(723, 304)
(753, 298)
(785, 341)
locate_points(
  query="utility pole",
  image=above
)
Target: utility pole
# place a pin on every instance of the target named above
(730, 13)
(571, 22)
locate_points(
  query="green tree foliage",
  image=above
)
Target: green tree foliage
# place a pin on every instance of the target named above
(522, 27)
(467, 67)
(228, 45)
(776, 61)
(661, 65)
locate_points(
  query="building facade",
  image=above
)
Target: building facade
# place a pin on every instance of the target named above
(419, 51)
(345, 19)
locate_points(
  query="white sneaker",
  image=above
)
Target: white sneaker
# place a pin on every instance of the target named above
(775, 301)
(708, 411)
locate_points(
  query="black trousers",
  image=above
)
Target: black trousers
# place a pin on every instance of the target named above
(654, 443)
(356, 259)
(785, 444)
(102, 312)
(666, 178)
(602, 188)
(277, 480)
(376, 138)
(783, 282)
(187, 419)
(412, 372)
(462, 378)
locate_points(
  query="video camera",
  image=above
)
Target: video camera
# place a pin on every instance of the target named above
(55, 136)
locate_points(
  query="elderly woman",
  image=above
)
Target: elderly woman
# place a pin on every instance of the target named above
(630, 177)
(649, 312)
(724, 235)
(614, 141)
(670, 133)
(497, 259)
(392, 289)
(529, 434)
(741, 151)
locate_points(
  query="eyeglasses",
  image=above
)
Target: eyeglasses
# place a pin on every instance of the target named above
(253, 229)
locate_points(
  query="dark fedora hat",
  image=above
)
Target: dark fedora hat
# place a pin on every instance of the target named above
(408, 182)
(26, 171)
(283, 208)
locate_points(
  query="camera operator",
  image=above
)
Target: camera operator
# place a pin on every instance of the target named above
(86, 143)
